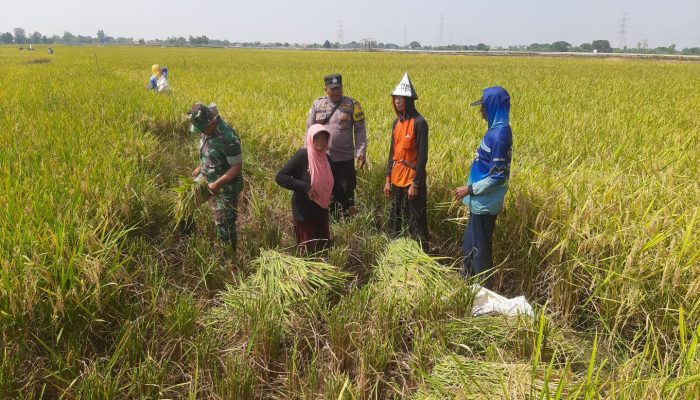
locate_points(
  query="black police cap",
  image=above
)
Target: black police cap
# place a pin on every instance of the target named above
(333, 80)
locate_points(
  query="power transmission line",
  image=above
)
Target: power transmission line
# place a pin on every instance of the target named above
(340, 32)
(442, 28)
(623, 31)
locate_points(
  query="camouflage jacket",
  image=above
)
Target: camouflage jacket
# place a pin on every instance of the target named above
(218, 152)
(346, 126)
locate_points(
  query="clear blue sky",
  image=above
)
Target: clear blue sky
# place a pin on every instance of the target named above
(494, 22)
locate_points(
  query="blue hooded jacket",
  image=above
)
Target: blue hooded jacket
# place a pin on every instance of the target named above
(490, 170)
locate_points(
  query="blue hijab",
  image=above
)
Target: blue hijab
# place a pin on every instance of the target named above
(496, 101)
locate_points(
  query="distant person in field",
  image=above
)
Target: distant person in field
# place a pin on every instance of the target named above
(221, 161)
(408, 156)
(308, 173)
(159, 79)
(345, 121)
(487, 182)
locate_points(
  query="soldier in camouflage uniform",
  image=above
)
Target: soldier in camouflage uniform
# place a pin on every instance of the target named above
(345, 121)
(220, 164)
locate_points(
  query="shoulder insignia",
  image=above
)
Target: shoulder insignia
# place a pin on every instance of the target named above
(358, 113)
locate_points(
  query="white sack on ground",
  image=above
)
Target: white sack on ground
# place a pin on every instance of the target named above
(487, 302)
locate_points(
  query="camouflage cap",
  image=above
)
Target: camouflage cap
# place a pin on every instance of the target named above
(199, 115)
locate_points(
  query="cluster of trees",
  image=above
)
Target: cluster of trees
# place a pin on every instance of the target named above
(20, 36)
(603, 46)
(477, 47)
(354, 45)
(689, 51)
(181, 41)
(599, 46)
(414, 45)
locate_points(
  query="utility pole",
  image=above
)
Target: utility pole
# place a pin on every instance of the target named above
(623, 31)
(340, 32)
(405, 35)
(442, 28)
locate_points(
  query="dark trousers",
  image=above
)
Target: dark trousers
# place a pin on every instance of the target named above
(477, 244)
(344, 183)
(312, 235)
(410, 215)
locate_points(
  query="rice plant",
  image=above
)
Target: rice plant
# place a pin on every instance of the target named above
(190, 194)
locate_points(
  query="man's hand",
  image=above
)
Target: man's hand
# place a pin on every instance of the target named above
(361, 162)
(195, 172)
(412, 192)
(214, 188)
(226, 178)
(387, 190)
(460, 192)
(312, 194)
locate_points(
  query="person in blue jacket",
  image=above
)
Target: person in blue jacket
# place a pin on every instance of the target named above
(158, 72)
(487, 182)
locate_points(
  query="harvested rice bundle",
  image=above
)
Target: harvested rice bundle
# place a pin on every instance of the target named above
(264, 308)
(281, 281)
(190, 194)
(287, 279)
(406, 279)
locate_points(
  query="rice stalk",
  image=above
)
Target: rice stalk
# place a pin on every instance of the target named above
(190, 193)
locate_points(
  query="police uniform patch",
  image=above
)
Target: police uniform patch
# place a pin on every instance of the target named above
(358, 113)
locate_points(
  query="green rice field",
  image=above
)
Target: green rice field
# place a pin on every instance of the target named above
(101, 299)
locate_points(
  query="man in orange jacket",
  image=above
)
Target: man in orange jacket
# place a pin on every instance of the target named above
(408, 157)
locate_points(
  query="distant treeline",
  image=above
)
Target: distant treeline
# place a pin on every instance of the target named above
(19, 36)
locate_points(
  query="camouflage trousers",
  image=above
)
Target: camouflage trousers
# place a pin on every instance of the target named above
(224, 206)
